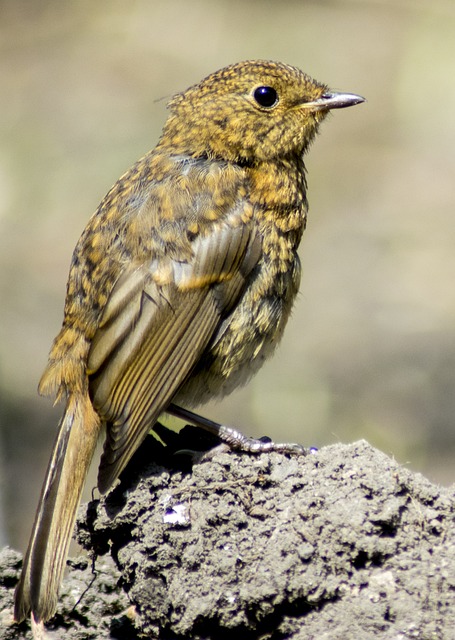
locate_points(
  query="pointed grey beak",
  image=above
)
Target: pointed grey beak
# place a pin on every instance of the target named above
(334, 101)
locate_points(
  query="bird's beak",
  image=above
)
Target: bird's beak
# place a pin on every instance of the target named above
(334, 101)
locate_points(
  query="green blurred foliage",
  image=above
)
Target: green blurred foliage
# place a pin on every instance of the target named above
(370, 350)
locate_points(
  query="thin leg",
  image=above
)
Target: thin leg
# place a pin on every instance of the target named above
(232, 437)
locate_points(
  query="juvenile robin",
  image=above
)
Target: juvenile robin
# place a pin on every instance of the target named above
(179, 288)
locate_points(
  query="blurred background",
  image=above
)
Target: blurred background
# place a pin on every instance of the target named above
(370, 349)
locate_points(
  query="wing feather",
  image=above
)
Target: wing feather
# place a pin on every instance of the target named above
(157, 323)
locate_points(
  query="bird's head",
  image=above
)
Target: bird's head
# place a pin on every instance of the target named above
(250, 112)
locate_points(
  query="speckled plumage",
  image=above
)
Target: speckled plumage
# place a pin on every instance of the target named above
(180, 286)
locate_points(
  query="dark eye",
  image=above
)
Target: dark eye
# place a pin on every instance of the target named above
(265, 96)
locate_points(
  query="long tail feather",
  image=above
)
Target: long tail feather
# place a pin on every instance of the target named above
(45, 559)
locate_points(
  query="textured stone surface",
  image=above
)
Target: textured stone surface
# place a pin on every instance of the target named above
(341, 544)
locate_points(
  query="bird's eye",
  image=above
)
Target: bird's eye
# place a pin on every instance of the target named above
(265, 96)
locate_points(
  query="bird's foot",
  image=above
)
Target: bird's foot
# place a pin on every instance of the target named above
(234, 438)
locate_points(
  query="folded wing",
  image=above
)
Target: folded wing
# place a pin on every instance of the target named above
(159, 319)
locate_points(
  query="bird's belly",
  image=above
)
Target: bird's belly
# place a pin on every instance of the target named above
(247, 337)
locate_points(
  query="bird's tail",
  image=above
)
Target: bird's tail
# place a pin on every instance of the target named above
(45, 559)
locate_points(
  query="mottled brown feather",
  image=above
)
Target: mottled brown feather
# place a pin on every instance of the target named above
(152, 334)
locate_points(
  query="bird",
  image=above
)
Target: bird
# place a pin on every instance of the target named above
(179, 288)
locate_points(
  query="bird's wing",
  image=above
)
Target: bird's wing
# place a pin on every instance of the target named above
(156, 324)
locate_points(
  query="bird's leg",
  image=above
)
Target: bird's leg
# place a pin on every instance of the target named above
(235, 439)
